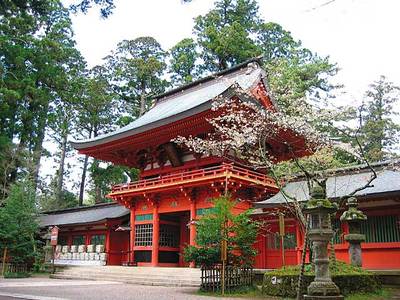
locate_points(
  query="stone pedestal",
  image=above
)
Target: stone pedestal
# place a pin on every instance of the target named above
(319, 208)
(306, 297)
(354, 217)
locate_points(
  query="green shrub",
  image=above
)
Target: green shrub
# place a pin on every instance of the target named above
(17, 275)
(218, 224)
(349, 279)
(202, 256)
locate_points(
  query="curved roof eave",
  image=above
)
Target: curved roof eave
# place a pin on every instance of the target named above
(113, 136)
(182, 112)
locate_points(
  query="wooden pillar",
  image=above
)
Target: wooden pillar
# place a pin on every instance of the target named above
(156, 235)
(192, 228)
(132, 236)
(299, 242)
(108, 238)
(87, 238)
(69, 239)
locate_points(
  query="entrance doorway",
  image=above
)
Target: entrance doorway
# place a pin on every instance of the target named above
(174, 236)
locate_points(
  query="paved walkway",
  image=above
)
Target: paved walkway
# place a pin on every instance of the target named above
(56, 289)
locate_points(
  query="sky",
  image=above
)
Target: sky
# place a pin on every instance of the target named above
(361, 36)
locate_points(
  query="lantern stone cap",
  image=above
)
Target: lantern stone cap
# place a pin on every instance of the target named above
(314, 205)
(318, 202)
(352, 213)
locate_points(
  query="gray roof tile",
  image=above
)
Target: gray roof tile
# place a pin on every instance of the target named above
(182, 101)
(338, 186)
(84, 215)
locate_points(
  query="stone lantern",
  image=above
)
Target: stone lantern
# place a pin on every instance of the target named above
(354, 217)
(320, 233)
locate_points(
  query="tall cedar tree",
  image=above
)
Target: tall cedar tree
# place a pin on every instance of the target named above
(233, 32)
(97, 113)
(224, 34)
(379, 131)
(37, 52)
(183, 64)
(136, 68)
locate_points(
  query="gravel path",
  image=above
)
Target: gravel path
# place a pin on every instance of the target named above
(54, 289)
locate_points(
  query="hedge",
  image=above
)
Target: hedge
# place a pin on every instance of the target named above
(17, 275)
(349, 279)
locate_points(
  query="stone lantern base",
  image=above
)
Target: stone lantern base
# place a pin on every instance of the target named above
(339, 297)
(318, 290)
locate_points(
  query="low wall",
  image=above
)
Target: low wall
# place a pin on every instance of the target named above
(375, 256)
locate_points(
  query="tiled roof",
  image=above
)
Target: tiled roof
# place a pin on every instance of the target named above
(387, 181)
(183, 102)
(83, 215)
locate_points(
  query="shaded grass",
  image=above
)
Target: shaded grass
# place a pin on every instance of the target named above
(243, 292)
(381, 294)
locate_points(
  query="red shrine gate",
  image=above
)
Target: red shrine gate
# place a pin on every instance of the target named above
(177, 184)
(164, 210)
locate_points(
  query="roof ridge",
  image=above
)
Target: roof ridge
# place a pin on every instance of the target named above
(207, 78)
(79, 208)
(345, 170)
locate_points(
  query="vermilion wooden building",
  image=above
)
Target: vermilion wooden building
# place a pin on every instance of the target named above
(176, 185)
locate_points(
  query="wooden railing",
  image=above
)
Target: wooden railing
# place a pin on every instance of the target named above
(176, 178)
(14, 268)
(235, 277)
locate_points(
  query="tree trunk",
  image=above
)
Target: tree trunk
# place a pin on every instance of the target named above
(60, 179)
(83, 179)
(97, 190)
(38, 145)
(142, 99)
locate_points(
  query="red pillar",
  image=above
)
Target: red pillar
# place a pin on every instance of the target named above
(192, 228)
(192, 233)
(108, 237)
(299, 242)
(132, 236)
(156, 236)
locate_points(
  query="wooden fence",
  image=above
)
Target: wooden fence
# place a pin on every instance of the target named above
(234, 277)
(13, 268)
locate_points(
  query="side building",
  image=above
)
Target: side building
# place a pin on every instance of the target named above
(380, 202)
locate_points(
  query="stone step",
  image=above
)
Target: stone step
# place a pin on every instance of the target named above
(177, 283)
(94, 272)
(131, 271)
(129, 277)
(184, 277)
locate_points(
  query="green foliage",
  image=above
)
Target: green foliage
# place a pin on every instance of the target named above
(203, 255)
(350, 279)
(18, 224)
(239, 231)
(250, 292)
(105, 177)
(48, 201)
(379, 131)
(183, 62)
(322, 160)
(224, 34)
(377, 295)
(136, 69)
(10, 275)
(37, 57)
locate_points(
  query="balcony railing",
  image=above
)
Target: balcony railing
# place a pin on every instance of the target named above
(221, 171)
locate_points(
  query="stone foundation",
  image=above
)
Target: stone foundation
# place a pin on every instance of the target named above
(80, 255)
